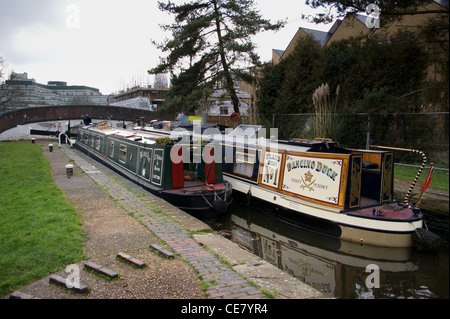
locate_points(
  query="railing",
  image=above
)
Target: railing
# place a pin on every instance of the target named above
(425, 131)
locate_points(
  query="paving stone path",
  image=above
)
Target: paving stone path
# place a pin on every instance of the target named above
(221, 281)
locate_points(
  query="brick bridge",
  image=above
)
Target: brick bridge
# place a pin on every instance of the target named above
(23, 116)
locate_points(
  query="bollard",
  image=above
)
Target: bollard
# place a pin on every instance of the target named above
(69, 170)
(50, 147)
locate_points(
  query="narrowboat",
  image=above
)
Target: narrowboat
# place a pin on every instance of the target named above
(341, 192)
(344, 193)
(173, 171)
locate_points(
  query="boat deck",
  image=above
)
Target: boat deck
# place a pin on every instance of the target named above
(193, 187)
(391, 211)
(129, 134)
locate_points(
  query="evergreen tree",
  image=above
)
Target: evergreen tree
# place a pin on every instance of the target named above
(211, 41)
(303, 74)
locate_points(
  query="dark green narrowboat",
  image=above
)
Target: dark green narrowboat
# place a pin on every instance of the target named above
(182, 173)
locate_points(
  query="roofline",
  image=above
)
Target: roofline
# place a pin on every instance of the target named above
(52, 87)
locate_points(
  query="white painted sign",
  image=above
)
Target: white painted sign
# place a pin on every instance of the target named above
(316, 178)
(157, 169)
(271, 169)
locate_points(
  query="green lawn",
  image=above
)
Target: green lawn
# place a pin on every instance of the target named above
(40, 232)
(406, 174)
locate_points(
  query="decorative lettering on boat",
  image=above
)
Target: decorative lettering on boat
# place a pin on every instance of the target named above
(157, 167)
(145, 162)
(271, 169)
(316, 178)
(386, 183)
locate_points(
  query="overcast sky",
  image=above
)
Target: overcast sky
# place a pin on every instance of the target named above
(106, 44)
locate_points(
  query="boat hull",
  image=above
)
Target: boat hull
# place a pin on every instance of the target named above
(203, 203)
(348, 226)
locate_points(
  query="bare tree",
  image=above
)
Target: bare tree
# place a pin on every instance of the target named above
(161, 81)
(9, 94)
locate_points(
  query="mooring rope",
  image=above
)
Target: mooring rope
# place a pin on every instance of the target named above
(424, 162)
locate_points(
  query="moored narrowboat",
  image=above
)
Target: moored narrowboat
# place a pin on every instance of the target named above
(344, 193)
(181, 173)
(341, 192)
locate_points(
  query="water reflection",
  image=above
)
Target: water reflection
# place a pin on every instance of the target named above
(340, 269)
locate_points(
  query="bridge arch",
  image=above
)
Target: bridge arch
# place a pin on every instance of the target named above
(11, 119)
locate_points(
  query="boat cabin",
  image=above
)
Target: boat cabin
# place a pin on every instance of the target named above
(152, 158)
(316, 171)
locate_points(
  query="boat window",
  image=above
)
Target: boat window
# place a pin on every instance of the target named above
(144, 164)
(111, 150)
(97, 143)
(123, 153)
(244, 163)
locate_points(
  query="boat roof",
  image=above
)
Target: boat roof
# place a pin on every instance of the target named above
(245, 136)
(128, 134)
(255, 136)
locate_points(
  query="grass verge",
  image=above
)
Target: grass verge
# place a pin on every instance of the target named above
(40, 232)
(406, 174)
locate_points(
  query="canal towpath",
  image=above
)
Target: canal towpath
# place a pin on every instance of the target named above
(189, 261)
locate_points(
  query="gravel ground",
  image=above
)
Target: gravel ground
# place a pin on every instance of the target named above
(109, 230)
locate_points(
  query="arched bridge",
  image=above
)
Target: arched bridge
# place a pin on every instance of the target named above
(23, 116)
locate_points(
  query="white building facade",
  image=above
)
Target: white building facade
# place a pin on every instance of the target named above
(53, 93)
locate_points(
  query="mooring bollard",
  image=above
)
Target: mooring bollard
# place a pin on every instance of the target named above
(50, 147)
(69, 170)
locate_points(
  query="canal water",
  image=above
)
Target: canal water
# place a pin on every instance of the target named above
(339, 269)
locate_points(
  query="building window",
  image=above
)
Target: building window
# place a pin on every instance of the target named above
(244, 163)
(123, 153)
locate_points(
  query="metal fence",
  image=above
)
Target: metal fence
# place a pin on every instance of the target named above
(427, 132)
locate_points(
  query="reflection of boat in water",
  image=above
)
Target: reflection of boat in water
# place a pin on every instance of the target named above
(334, 267)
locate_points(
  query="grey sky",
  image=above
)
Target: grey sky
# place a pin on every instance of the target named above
(110, 47)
